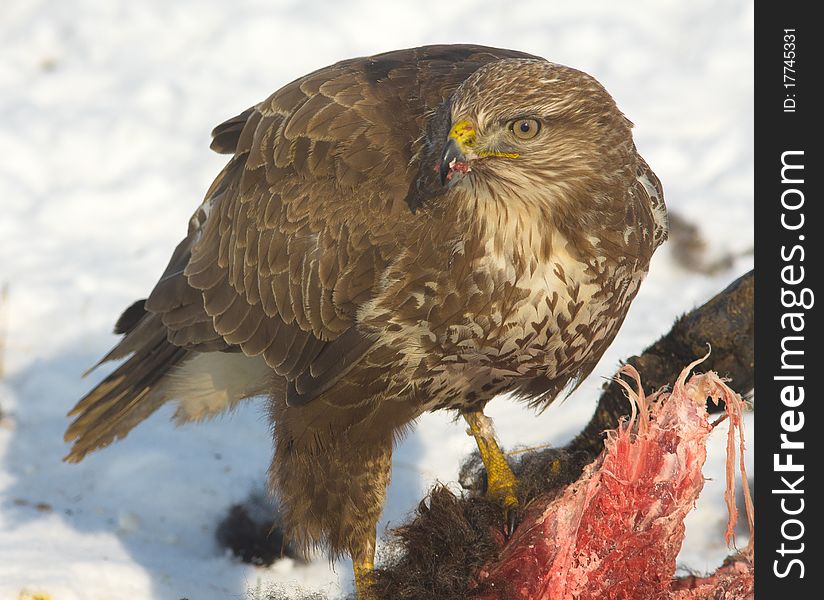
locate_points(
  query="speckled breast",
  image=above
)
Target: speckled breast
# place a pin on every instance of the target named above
(471, 338)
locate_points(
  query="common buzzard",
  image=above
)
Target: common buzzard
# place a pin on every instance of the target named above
(418, 230)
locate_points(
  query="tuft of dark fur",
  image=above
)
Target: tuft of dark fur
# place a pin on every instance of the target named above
(444, 545)
(547, 473)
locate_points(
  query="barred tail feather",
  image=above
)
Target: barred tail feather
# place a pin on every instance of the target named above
(127, 396)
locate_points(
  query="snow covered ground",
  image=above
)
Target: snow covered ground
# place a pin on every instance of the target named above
(105, 113)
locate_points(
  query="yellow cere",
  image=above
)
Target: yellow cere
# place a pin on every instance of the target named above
(464, 134)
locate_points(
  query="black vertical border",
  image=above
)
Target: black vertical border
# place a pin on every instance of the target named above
(776, 132)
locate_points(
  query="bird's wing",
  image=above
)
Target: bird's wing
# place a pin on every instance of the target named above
(297, 228)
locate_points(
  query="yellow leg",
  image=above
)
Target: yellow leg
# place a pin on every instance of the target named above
(501, 483)
(363, 562)
(363, 574)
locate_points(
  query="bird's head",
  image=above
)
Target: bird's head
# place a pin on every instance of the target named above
(536, 131)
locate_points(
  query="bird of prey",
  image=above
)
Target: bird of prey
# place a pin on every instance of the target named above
(418, 230)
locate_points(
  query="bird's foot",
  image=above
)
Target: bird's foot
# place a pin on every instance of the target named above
(501, 484)
(363, 578)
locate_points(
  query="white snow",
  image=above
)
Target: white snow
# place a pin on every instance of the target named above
(106, 110)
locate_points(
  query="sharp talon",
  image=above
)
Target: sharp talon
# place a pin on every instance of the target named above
(513, 517)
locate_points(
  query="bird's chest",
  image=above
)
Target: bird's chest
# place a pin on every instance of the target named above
(496, 321)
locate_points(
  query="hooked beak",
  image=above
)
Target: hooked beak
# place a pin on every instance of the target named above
(452, 155)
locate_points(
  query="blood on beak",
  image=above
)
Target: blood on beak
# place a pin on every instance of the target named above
(452, 160)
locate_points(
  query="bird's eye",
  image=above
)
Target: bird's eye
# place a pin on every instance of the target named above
(525, 129)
